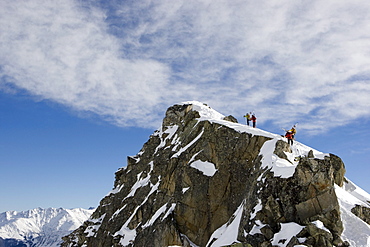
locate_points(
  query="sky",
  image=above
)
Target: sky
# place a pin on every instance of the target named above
(83, 84)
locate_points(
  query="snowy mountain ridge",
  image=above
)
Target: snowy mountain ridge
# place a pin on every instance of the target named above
(356, 231)
(41, 227)
(205, 180)
(281, 167)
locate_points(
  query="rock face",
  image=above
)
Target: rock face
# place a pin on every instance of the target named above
(362, 212)
(203, 180)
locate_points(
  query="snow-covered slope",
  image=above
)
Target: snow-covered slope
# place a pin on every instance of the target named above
(356, 231)
(41, 227)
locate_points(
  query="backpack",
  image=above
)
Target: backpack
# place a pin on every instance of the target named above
(289, 135)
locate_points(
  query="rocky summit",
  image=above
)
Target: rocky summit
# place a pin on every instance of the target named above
(203, 179)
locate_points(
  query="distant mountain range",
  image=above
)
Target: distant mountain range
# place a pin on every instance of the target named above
(39, 227)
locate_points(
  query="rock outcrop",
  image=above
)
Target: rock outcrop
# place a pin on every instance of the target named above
(362, 212)
(205, 180)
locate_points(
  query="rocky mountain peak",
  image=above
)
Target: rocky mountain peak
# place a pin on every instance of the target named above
(202, 179)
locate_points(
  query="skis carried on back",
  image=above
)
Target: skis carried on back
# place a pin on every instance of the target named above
(294, 126)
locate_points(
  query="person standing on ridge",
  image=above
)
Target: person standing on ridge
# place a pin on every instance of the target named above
(254, 120)
(289, 135)
(248, 117)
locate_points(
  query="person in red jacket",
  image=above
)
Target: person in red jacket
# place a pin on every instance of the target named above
(293, 130)
(254, 120)
(289, 135)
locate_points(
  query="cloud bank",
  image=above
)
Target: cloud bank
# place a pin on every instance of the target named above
(127, 61)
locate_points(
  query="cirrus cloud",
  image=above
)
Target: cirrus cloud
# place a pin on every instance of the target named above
(127, 61)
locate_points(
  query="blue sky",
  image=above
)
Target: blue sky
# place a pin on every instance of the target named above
(84, 83)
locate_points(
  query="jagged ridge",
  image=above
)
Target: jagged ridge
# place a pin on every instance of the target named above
(202, 180)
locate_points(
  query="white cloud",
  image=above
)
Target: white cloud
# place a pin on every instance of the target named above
(62, 52)
(304, 60)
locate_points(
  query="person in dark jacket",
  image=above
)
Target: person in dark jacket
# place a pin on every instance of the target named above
(254, 120)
